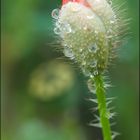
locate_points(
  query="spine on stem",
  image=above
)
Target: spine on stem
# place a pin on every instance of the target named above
(102, 107)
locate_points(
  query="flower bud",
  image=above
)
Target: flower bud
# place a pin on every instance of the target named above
(88, 33)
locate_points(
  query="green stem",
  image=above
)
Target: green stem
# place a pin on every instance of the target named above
(104, 120)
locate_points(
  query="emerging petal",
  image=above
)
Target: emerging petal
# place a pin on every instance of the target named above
(84, 2)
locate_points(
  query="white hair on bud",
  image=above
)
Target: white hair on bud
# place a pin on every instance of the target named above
(88, 34)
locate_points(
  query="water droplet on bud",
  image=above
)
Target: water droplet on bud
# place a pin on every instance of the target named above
(84, 63)
(96, 32)
(112, 21)
(68, 52)
(93, 64)
(93, 48)
(95, 72)
(91, 86)
(55, 13)
(66, 28)
(90, 17)
(57, 30)
(85, 28)
(57, 24)
(80, 50)
(86, 72)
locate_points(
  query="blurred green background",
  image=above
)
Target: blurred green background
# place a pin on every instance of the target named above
(43, 94)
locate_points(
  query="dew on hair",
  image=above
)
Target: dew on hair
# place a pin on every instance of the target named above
(57, 30)
(55, 13)
(85, 27)
(112, 21)
(64, 44)
(66, 28)
(86, 72)
(91, 76)
(95, 72)
(109, 36)
(90, 17)
(83, 55)
(93, 48)
(93, 64)
(91, 86)
(83, 63)
(96, 32)
(68, 52)
(58, 24)
(80, 50)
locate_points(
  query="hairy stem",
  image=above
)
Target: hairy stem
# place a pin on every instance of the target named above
(104, 120)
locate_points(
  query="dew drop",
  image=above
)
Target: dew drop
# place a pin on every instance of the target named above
(83, 55)
(93, 64)
(90, 17)
(55, 13)
(85, 28)
(109, 36)
(86, 72)
(84, 63)
(96, 32)
(93, 48)
(57, 30)
(68, 52)
(57, 24)
(80, 50)
(95, 72)
(112, 21)
(91, 86)
(64, 44)
(66, 28)
(91, 76)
